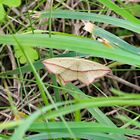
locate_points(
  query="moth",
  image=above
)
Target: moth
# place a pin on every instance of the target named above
(69, 69)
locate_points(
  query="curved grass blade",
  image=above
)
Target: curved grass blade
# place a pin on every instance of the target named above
(57, 135)
(115, 40)
(72, 43)
(20, 131)
(119, 10)
(65, 14)
(95, 112)
(81, 127)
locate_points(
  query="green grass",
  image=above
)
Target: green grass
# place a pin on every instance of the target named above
(69, 111)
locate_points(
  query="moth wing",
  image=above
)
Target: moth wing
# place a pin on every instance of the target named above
(58, 65)
(89, 76)
(62, 62)
(69, 69)
(99, 73)
(86, 65)
(52, 68)
(68, 76)
(100, 67)
(85, 77)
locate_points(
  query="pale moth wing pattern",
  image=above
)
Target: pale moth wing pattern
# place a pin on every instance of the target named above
(71, 68)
